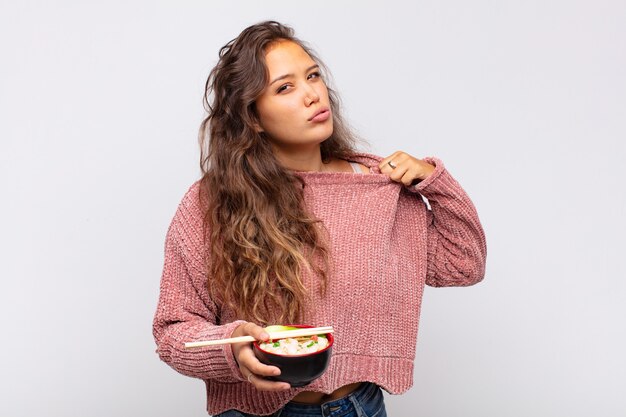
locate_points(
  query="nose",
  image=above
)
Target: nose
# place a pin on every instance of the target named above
(310, 95)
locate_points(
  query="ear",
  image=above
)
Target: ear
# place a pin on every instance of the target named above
(256, 122)
(258, 127)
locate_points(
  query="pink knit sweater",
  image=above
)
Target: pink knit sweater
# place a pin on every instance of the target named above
(386, 244)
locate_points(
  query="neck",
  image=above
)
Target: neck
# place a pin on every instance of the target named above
(303, 160)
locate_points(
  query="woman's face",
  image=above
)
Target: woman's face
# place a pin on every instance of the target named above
(294, 109)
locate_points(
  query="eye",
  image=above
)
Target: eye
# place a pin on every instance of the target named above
(315, 74)
(282, 88)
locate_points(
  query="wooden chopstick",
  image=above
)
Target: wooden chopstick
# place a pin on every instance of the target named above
(309, 331)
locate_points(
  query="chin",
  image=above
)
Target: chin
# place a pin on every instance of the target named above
(327, 133)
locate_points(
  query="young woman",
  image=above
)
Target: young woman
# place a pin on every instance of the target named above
(290, 224)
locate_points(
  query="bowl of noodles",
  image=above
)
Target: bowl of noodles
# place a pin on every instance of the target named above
(301, 360)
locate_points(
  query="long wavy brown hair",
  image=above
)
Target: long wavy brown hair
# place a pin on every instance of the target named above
(261, 237)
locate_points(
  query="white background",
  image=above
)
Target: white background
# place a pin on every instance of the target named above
(524, 101)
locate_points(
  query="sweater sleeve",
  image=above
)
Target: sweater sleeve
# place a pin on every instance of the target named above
(185, 313)
(456, 243)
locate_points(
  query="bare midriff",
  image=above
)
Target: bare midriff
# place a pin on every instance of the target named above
(312, 397)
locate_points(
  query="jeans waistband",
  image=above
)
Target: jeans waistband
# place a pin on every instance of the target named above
(361, 394)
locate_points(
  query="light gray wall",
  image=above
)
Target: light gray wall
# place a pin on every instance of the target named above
(524, 101)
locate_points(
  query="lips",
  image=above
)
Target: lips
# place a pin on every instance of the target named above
(320, 115)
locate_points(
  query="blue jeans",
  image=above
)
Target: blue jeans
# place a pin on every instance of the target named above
(366, 401)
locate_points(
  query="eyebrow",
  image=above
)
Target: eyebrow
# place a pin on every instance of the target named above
(282, 77)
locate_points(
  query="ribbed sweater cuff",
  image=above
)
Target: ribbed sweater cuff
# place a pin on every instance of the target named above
(439, 169)
(227, 350)
(209, 361)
